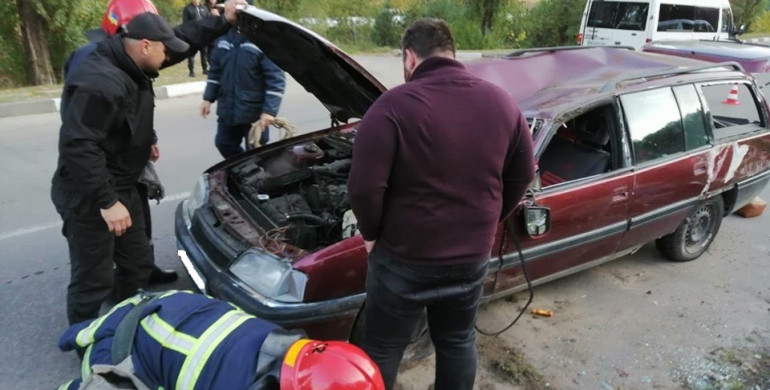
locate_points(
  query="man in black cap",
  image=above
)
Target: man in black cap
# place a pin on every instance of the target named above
(105, 142)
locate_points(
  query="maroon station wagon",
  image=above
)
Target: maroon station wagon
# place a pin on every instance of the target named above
(632, 148)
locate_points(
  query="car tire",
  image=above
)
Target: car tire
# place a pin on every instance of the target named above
(695, 233)
(420, 345)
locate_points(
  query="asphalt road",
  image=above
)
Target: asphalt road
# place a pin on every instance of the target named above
(604, 324)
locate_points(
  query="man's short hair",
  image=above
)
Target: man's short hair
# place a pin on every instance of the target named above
(427, 36)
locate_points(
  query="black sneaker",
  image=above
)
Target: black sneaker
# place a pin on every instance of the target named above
(192, 74)
(162, 276)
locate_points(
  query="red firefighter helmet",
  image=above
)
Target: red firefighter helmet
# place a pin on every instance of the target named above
(117, 15)
(328, 365)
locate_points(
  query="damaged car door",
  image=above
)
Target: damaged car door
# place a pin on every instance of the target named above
(585, 181)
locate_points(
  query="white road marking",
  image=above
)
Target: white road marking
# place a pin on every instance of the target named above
(57, 224)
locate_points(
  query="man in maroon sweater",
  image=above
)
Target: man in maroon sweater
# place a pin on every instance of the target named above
(438, 162)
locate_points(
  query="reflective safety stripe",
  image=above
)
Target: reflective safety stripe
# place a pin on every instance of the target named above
(65, 386)
(85, 367)
(212, 81)
(205, 346)
(251, 47)
(275, 93)
(166, 335)
(86, 336)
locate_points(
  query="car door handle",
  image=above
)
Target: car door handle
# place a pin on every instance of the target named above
(620, 194)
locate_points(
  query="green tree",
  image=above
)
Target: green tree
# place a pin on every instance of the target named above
(553, 23)
(746, 11)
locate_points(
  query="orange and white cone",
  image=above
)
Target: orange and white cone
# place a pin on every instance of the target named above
(732, 97)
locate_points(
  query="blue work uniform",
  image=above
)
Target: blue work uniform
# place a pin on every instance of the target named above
(245, 84)
(184, 341)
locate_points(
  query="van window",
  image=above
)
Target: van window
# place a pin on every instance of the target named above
(727, 21)
(618, 15)
(654, 124)
(674, 17)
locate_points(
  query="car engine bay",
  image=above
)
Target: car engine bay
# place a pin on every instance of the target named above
(298, 194)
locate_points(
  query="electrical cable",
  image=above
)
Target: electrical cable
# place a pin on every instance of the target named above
(509, 226)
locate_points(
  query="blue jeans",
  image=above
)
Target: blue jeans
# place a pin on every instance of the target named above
(397, 293)
(231, 139)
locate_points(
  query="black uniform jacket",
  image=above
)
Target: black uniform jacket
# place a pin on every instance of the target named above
(107, 117)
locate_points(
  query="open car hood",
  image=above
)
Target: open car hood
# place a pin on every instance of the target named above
(341, 84)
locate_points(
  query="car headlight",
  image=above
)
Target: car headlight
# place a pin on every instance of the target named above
(269, 275)
(199, 195)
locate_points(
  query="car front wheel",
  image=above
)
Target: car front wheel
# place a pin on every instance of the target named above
(696, 232)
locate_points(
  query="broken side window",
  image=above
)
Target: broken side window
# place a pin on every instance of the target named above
(582, 147)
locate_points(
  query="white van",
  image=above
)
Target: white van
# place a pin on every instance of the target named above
(635, 22)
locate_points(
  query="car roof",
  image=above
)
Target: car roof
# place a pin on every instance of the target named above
(728, 49)
(546, 83)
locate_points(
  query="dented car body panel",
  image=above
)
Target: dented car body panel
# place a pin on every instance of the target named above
(271, 229)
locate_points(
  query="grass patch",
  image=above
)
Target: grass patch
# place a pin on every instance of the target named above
(753, 35)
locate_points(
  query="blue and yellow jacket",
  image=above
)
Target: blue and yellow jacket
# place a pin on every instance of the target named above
(184, 341)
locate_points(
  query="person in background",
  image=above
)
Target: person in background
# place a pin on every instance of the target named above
(181, 340)
(443, 148)
(191, 12)
(247, 87)
(105, 142)
(211, 6)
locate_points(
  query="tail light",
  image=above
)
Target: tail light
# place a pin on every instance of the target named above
(580, 39)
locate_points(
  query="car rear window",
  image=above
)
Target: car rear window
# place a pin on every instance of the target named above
(734, 109)
(618, 15)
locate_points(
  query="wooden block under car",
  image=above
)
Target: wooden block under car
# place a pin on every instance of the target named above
(753, 208)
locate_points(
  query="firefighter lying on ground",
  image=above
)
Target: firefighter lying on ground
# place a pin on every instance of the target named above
(186, 341)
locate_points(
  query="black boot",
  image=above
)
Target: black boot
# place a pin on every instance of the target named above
(162, 275)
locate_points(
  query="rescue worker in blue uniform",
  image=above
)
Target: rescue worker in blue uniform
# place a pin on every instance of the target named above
(247, 87)
(190, 341)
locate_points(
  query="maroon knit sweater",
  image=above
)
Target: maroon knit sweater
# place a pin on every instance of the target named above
(437, 163)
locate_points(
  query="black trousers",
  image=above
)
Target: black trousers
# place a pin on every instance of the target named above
(204, 60)
(93, 250)
(397, 293)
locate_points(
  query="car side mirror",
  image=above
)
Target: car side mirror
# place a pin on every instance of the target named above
(537, 220)
(740, 30)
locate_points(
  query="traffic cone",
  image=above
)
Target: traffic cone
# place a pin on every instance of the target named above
(732, 97)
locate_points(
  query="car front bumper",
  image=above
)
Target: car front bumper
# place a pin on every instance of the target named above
(331, 318)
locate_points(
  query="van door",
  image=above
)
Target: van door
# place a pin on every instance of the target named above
(616, 23)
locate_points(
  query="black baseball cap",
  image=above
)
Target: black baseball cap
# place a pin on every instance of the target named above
(153, 27)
